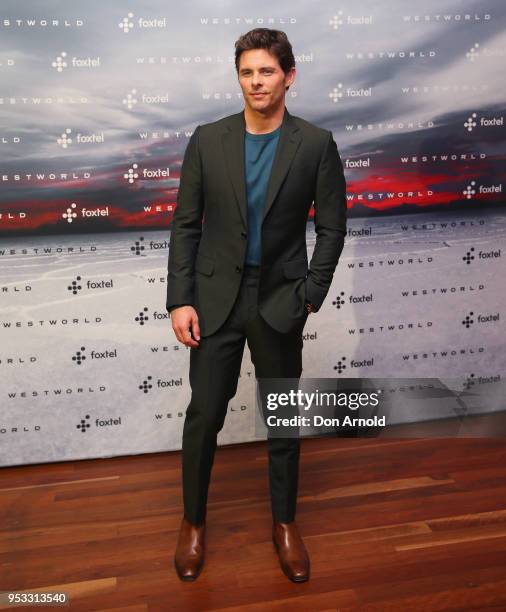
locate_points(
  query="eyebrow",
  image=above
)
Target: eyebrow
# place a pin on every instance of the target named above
(262, 68)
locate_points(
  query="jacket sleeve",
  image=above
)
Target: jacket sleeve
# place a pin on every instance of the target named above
(186, 228)
(330, 223)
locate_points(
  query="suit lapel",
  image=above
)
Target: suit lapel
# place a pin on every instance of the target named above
(233, 150)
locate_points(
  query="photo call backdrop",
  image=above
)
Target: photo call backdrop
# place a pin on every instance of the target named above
(98, 102)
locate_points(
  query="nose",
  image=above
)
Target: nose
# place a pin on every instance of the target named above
(256, 79)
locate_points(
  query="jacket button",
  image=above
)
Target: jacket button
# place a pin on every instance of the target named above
(244, 234)
(238, 269)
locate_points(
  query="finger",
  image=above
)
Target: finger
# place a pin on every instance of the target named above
(196, 328)
(177, 333)
(187, 339)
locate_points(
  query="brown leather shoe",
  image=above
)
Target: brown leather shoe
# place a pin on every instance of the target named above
(292, 553)
(190, 550)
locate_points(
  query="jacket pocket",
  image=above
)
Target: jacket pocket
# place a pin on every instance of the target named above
(204, 264)
(295, 268)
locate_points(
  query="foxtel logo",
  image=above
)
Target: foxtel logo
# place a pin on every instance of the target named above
(70, 214)
(60, 63)
(130, 100)
(338, 20)
(475, 52)
(65, 139)
(470, 190)
(84, 424)
(132, 174)
(338, 92)
(472, 122)
(126, 24)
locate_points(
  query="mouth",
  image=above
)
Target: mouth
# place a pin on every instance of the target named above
(258, 95)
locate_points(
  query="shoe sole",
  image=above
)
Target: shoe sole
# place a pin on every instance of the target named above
(292, 578)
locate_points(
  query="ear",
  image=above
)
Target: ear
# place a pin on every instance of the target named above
(290, 77)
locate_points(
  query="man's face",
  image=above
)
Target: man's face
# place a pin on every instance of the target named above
(260, 73)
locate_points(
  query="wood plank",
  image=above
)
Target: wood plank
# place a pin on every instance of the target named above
(392, 524)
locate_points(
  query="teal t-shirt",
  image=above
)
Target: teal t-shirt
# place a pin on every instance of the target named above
(259, 155)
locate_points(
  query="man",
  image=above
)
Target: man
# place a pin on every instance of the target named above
(238, 271)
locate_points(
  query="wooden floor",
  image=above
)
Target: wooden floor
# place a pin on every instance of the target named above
(389, 525)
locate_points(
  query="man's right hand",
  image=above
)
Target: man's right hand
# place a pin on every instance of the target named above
(185, 318)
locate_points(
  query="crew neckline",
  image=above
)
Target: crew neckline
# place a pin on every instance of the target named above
(265, 136)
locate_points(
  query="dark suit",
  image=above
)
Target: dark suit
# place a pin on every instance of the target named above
(264, 305)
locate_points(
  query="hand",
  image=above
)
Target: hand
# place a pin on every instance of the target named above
(183, 319)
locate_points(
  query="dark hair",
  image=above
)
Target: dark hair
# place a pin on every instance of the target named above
(274, 41)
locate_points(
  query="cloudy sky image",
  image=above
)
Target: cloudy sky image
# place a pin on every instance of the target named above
(425, 75)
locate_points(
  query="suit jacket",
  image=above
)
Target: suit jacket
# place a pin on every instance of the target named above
(209, 231)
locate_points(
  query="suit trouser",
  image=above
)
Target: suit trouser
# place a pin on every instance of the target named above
(214, 371)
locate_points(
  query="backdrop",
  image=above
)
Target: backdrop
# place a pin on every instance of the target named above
(98, 101)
